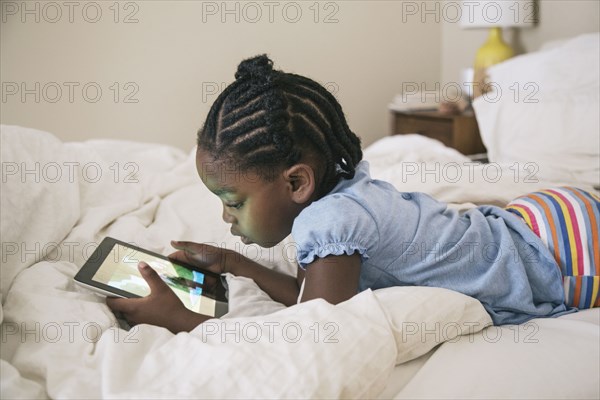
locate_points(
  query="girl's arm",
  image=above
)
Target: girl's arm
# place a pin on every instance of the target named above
(333, 278)
(281, 287)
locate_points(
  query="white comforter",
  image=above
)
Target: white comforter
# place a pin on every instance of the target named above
(60, 199)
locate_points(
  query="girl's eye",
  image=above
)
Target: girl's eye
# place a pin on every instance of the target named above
(236, 206)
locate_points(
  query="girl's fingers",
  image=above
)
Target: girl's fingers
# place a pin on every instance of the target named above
(199, 254)
(185, 246)
(178, 255)
(118, 304)
(151, 277)
(196, 251)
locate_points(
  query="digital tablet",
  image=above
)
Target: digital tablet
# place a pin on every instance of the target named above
(112, 270)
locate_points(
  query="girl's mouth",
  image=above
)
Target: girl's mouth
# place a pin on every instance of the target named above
(243, 238)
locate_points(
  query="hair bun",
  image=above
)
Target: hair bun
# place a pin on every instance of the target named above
(258, 67)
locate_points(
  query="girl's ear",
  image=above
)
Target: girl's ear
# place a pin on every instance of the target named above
(301, 181)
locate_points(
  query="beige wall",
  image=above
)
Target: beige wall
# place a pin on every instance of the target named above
(557, 19)
(158, 73)
(177, 53)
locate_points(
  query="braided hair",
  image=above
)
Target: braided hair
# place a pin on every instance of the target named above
(268, 118)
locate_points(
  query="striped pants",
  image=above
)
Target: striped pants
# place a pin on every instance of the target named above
(567, 219)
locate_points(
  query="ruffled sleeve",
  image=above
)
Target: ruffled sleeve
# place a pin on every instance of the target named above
(334, 225)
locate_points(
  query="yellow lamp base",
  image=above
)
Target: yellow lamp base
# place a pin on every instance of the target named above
(493, 51)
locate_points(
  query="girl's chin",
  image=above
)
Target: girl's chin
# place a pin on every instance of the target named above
(245, 240)
(266, 245)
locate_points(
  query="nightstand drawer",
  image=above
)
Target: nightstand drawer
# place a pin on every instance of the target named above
(458, 131)
(438, 129)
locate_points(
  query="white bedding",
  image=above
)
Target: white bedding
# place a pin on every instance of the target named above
(60, 341)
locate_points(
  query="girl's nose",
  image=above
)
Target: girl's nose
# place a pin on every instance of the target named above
(228, 218)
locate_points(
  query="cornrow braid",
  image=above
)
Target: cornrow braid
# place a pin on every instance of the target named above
(268, 118)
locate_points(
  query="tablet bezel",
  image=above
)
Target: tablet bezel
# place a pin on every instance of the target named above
(94, 262)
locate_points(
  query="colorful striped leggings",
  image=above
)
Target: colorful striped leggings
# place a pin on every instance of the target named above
(566, 219)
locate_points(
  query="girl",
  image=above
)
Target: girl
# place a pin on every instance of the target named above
(276, 149)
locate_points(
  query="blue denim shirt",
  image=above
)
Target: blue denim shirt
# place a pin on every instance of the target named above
(412, 239)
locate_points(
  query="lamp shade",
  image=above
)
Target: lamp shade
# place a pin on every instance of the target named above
(497, 13)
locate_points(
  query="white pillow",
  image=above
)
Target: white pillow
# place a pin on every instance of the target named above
(424, 317)
(543, 110)
(420, 318)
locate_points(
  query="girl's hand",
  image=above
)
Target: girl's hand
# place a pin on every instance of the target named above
(201, 255)
(161, 307)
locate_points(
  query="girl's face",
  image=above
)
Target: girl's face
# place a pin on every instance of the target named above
(259, 211)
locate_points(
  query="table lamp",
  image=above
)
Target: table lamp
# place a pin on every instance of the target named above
(494, 15)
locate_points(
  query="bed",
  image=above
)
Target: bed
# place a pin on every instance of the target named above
(61, 341)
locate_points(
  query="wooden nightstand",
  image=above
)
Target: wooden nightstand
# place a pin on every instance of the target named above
(459, 131)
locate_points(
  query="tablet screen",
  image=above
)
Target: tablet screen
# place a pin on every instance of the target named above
(119, 270)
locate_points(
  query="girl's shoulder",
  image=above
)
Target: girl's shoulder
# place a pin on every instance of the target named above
(348, 214)
(336, 224)
(340, 208)
(349, 198)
